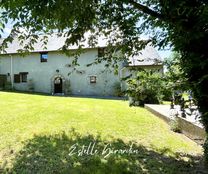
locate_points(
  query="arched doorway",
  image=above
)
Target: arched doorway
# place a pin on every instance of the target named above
(58, 85)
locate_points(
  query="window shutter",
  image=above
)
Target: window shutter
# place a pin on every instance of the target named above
(16, 78)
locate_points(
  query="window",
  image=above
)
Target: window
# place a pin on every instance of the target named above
(21, 77)
(101, 52)
(93, 79)
(16, 78)
(43, 57)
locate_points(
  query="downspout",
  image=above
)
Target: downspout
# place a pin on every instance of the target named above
(11, 71)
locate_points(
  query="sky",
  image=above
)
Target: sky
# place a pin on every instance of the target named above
(165, 54)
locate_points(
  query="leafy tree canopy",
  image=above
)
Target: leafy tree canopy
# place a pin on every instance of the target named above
(175, 77)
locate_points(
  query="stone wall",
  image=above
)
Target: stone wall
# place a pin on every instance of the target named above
(78, 78)
(191, 130)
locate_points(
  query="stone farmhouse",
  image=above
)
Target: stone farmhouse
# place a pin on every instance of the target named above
(49, 70)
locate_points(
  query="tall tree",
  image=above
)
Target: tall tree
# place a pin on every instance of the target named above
(182, 24)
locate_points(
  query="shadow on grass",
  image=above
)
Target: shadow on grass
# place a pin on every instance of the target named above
(55, 154)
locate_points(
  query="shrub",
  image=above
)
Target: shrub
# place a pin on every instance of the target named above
(117, 90)
(167, 94)
(146, 87)
(174, 125)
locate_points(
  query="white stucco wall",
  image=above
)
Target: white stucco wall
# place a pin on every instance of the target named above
(42, 72)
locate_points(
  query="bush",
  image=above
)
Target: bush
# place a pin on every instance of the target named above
(117, 90)
(146, 87)
(167, 94)
(174, 125)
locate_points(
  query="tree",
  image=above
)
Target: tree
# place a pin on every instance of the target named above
(182, 24)
(174, 76)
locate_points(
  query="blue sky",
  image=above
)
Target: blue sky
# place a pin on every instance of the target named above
(165, 53)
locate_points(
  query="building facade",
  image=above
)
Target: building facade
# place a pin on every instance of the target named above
(51, 71)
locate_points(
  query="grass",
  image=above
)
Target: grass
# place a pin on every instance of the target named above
(166, 102)
(37, 133)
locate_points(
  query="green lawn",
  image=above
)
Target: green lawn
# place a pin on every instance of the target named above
(37, 133)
